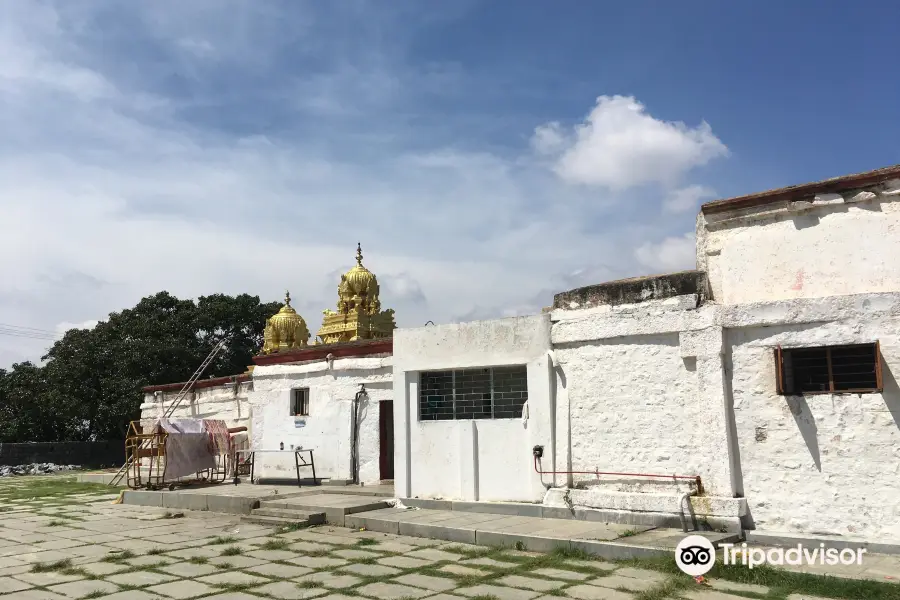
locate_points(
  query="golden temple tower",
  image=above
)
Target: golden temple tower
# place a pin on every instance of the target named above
(359, 315)
(285, 330)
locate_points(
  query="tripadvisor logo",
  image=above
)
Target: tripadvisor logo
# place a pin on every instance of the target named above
(695, 555)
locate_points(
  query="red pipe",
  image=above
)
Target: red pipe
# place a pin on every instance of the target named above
(695, 478)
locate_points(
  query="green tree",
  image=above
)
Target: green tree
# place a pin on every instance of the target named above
(90, 385)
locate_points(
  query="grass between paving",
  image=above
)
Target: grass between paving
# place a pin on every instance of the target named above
(779, 582)
(49, 487)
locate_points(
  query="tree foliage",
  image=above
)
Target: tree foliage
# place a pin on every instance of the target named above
(90, 384)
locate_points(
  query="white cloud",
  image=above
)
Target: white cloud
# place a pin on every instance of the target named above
(114, 187)
(620, 145)
(687, 198)
(64, 327)
(671, 254)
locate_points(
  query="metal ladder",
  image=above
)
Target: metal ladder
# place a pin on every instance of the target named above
(185, 389)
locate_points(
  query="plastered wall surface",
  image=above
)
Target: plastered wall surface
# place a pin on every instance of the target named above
(227, 402)
(472, 459)
(833, 245)
(644, 389)
(632, 400)
(819, 464)
(327, 428)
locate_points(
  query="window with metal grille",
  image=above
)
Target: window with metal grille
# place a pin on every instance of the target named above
(300, 402)
(829, 369)
(485, 393)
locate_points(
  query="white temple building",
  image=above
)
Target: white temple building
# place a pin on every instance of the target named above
(755, 392)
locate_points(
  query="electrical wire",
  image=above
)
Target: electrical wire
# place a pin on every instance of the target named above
(28, 332)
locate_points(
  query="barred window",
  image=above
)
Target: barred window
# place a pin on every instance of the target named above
(829, 369)
(485, 393)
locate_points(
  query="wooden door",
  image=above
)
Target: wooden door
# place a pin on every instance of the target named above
(386, 438)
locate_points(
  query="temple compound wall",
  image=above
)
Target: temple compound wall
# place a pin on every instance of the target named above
(223, 398)
(471, 400)
(329, 387)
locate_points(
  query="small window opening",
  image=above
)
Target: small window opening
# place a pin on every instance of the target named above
(829, 369)
(300, 402)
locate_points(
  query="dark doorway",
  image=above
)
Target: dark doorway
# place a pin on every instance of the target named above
(386, 438)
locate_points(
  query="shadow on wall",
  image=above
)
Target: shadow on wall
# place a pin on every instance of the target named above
(891, 393)
(806, 423)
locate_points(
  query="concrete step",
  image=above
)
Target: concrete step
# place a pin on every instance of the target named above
(314, 518)
(336, 507)
(272, 521)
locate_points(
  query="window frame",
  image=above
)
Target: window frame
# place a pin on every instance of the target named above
(304, 404)
(780, 374)
(453, 373)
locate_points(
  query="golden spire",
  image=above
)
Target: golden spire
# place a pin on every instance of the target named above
(359, 314)
(286, 330)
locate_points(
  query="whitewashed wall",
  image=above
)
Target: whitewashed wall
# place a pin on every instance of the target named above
(227, 402)
(332, 389)
(834, 245)
(643, 387)
(820, 464)
(472, 459)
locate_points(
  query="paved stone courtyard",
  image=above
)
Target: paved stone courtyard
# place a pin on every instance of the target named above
(82, 545)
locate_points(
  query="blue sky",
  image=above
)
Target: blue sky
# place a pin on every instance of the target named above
(486, 153)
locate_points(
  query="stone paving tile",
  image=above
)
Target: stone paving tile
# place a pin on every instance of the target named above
(370, 570)
(732, 586)
(591, 592)
(80, 589)
(135, 595)
(628, 583)
(433, 554)
(530, 583)
(203, 552)
(280, 571)
(503, 593)
(330, 580)
(489, 562)
(289, 591)
(101, 569)
(271, 554)
(562, 574)
(237, 562)
(143, 561)
(451, 597)
(45, 579)
(437, 584)
(391, 591)
(186, 569)
(181, 589)
(35, 595)
(714, 595)
(317, 562)
(140, 578)
(309, 547)
(48, 556)
(226, 596)
(394, 547)
(9, 585)
(230, 577)
(464, 571)
(331, 597)
(641, 574)
(404, 562)
(804, 597)
(355, 554)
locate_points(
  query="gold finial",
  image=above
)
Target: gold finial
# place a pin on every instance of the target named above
(287, 298)
(359, 314)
